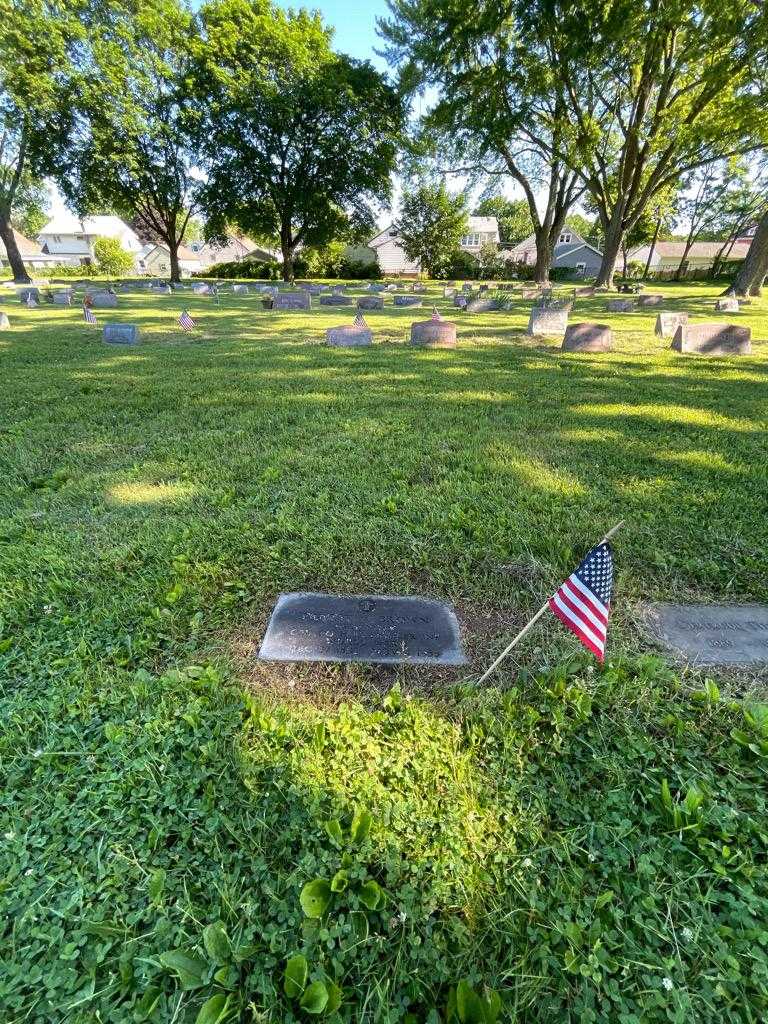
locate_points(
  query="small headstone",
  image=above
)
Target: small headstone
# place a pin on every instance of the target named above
(362, 628)
(461, 301)
(483, 305)
(466, 287)
(292, 300)
(727, 305)
(336, 300)
(545, 320)
(349, 336)
(103, 300)
(407, 300)
(668, 322)
(377, 287)
(200, 289)
(25, 293)
(419, 288)
(121, 334)
(710, 634)
(433, 334)
(586, 292)
(649, 300)
(5, 323)
(448, 293)
(370, 302)
(529, 293)
(391, 288)
(713, 339)
(62, 298)
(620, 305)
(239, 289)
(587, 338)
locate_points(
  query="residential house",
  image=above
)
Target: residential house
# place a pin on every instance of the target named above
(236, 247)
(31, 253)
(701, 256)
(570, 251)
(71, 239)
(155, 259)
(386, 246)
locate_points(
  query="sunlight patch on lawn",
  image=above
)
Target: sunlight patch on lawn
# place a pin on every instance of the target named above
(142, 492)
(700, 460)
(537, 474)
(669, 414)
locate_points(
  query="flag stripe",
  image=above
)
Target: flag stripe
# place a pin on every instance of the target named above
(577, 599)
(598, 652)
(583, 627)
(597, 604)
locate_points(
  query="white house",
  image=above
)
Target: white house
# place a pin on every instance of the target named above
(387, 249)
(701, 256)
(571, 251)
(236, 247)
(31, 253)
(155, 258)
(71, 239)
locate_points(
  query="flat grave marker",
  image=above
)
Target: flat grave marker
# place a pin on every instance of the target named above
(5, 323)
(292, 300)
(121, 334)
(709, 634)
(727, 305)
(382, 630)
(407, 300)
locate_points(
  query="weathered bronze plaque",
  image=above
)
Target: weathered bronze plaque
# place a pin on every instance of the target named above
(362, 627)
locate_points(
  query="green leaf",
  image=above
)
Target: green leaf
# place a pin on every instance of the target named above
(603, 899)
(315, 998)
(340, 881)
(335, 997)
(693, 800)
(333, 828)
(216, 942)
(147, 1005)
(361, 825)
(188, 968)
(740, 737)
(491, 1007)
(372, 895)
(468, 1004)
(295, 976)
(214, 1010)
(315, 897)
(712, 691)
(666, 796)
(156, 884)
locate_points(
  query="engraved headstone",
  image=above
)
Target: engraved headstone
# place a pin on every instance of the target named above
(460, 301)
(587, 338)
(362, 628)
(292, 300)
(25, 293)
(378, 287)
(103, 300)
(121, 334)
(433, 334)
(370, 302)
(713, 634)
(547, 320)
(620, 305)
(335, 300)
(239, 289)
(407, 300)
(200, 289)
(668, 322)
(62, 298)
(649, 300)
(483, 305)
(713, 339)
(349, 336)
(727, 305)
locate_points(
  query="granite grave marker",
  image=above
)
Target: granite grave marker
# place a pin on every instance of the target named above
(713, 634)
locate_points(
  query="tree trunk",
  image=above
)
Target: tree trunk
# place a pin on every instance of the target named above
(749, 279)
(653, 248)
(683, 258)
(613, 240)
(175, 269)
(544, 251)
(287, 248)
(20, 275)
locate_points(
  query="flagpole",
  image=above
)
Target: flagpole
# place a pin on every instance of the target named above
(526, 629)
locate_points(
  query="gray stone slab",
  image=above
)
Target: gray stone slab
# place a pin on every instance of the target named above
(239, 289)
(620, 305)
(587, 338)
(349, 336)
(103, 300)
(121, 334)
(709, 634)
(667, 323)
(335, 300)
(292, 300)
(407, 300)
(362, 627)
(62, 298)
(728, 305)
(713, 339)
(370, 302)
(547, 321)
(650, 300)
(25, 293)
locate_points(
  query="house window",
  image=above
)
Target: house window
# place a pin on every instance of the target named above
(472, 241)
(57, 238)
(581, 268)
(565, 237)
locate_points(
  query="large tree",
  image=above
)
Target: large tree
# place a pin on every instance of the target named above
(39, 47)
(134, 151)
(430, 226)
(750, 276)
(297, 140)
(497, 112)
(652, 90)
(513, 216)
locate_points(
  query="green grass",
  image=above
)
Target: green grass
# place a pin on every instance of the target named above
(157, 779)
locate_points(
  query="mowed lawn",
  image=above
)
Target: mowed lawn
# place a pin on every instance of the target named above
(589, 843)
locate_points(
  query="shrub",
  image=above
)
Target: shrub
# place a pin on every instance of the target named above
(462, 266)
(111, 258)
(256, 269)
(562, 273)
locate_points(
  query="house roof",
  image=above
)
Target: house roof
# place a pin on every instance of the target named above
(575, 248)
(66, 223)
(237, 247)
(183, 252)
(704, 250)
(26, 246)
(489, 224)
(483, 224)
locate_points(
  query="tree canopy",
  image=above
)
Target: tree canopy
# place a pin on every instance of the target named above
(431, 224)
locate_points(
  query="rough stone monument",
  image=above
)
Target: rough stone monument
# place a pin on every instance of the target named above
(349, 336)
(433, 334)
(620, 305)
(587, 337)
(362, 627)
(643, 301)
(292, 300)
(713, 339)
(667, 323)
(370, 302)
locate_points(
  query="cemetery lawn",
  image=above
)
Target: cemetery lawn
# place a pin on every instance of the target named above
(589, 843)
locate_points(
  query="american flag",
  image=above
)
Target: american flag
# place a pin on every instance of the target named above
(186, 321)
(88, 315)
(435, 314)
(583, 602)
(31, 300)
(360, 321)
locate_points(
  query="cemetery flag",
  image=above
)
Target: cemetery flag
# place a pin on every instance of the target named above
(88, 315)
(583, 602)
(360, 321)
(186, 321)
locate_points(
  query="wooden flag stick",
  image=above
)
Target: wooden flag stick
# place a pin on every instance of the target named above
(526, 629)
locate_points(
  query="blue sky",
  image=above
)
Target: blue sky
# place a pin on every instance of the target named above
(354, 22)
